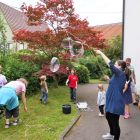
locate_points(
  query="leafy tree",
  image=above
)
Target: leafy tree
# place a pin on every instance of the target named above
(2, 37)
(113, 50)
(82, 73)
(61, 22)
(2, 32)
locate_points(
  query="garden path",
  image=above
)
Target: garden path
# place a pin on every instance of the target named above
(91, 127)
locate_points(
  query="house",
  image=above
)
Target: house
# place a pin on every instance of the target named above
(16, 20)
(109, 30)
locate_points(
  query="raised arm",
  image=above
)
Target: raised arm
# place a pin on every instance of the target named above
(114, 68)
(105, 58)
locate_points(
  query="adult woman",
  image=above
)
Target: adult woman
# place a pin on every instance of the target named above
(114, 96)
(9, 99)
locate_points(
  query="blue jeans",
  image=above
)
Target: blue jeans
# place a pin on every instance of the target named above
(43, 97)
(73, 94)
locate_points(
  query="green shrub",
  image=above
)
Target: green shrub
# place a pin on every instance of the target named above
(82, 73)
(96, 66)
(114, 49)
(14, 68)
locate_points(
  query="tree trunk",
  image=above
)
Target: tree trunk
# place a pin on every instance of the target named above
(55, 81)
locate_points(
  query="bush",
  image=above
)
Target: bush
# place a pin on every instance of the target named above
(14, 68)
(114, 49)
(82, 73)
(96, 66)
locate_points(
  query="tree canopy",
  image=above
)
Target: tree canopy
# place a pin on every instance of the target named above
(61, 22)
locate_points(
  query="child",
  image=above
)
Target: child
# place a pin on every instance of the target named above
(127, 96)
(101, 99)
(3, 79)
(44, 89)
(72, 83)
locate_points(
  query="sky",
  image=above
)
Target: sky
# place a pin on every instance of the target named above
(97, 12)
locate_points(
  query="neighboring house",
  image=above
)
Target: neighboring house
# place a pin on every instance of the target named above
(109, 30)
(16, 20)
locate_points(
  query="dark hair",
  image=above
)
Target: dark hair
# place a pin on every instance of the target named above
(72, 69)
(122, 64)
(125, 69)
(128, 59)
(128, 74)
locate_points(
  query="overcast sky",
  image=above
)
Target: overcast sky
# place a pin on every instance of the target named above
(97, 12)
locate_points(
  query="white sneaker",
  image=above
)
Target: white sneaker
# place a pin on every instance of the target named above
(16, 122)
(108, 136)
(101, 115)
(8, 125)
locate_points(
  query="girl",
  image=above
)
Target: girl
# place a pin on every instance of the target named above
(44, 89)
(133, 80)
(127, 93)
(101, 99)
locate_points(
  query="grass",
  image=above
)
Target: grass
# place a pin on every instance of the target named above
(41, 122)
(96, 81)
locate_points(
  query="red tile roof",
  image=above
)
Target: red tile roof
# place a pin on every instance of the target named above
(17, 20)
(109, 30)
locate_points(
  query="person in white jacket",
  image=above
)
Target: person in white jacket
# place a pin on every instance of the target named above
(101, 99)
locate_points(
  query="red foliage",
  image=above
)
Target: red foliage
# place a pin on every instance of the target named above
(62, 22)
(34, 14)
(80, 30)
(46, 71)
(36, 39)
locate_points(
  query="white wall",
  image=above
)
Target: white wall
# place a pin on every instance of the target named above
(9, 37)
(132, 36)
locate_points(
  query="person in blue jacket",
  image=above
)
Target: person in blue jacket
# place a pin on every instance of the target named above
(114, 96)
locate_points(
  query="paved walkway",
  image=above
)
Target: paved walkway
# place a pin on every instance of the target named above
(91, 127)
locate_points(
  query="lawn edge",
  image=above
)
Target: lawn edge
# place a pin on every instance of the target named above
(67, 130)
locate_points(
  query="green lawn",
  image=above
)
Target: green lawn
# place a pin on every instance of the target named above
(41, 122)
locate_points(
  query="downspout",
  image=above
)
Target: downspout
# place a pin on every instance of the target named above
(123, 26)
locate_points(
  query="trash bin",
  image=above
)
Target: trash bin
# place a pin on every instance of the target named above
(66, 109)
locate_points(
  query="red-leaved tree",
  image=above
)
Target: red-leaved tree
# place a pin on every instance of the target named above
(61, 22)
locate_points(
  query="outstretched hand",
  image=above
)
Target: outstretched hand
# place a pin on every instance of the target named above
(106, 77)
(98, 51)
